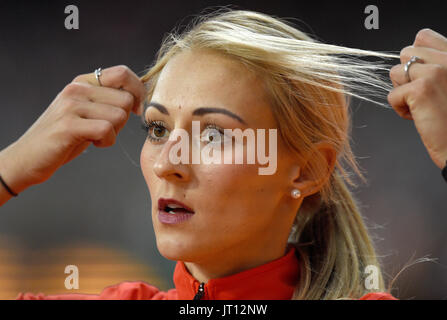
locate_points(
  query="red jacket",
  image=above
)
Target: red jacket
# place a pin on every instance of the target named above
(272, 281)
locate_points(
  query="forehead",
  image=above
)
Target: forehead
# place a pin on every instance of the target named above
(196, 78)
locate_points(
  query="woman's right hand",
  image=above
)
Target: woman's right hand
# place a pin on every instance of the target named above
(82, 113)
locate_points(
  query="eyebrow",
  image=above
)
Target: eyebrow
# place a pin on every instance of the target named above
(197, 112)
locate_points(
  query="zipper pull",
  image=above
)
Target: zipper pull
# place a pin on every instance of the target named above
(200, 292)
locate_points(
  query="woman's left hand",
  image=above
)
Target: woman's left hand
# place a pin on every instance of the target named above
(424, 98)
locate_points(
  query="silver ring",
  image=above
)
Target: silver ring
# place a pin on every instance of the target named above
(408, 65)
(97, 75)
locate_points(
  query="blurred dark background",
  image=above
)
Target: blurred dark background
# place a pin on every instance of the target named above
(95, 211)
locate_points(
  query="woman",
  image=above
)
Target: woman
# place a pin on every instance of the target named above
(235, 233)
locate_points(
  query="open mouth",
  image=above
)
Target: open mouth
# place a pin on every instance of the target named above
(173, 206)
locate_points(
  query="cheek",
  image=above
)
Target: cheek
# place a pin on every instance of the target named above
(147, 160)
(238, 189)
(235, 203)
(226, 178)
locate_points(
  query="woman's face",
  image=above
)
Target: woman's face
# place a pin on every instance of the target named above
(237, 211)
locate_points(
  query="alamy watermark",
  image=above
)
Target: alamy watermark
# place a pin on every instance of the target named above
(72, 281)
(72, 20)
(372, 20)
(372, 280)
(221, 151)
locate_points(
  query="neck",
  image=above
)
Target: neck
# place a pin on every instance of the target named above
(269, 244)
(232, 261)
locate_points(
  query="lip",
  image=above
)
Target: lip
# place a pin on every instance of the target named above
(163, 202)
(169, 218)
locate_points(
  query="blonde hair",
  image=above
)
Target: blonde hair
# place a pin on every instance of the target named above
(310, 84)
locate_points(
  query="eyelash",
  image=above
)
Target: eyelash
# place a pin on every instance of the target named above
(148, 125)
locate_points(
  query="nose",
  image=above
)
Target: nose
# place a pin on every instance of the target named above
(164, 168)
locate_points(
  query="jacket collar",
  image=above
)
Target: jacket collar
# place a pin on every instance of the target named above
(275, 280)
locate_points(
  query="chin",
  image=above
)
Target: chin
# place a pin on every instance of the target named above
(180, 248)
(173, 248)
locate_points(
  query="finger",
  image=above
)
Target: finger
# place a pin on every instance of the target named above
(115, 115)
(430, 38)
(417, 71)
(84, 91)
(100, 132)
(119, 77)
(428, 55)
(428, 82)
(435, 72)
(397, 75)
(397, 98)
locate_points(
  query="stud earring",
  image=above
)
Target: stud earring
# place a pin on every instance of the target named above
(295, 193)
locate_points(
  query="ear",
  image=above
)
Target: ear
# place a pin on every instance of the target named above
(323, 160)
